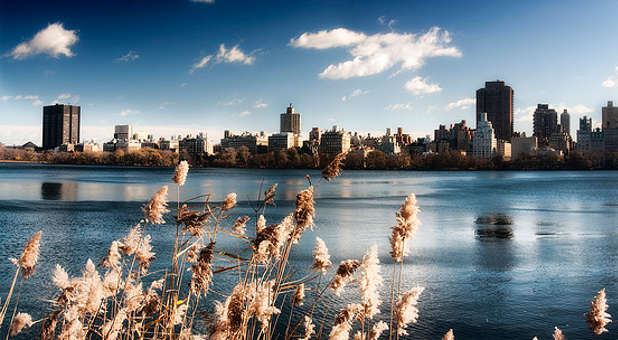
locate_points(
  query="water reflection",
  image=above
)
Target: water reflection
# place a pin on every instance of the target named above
(494, 226)
(59, 191)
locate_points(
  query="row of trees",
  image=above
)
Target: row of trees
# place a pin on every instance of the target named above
(295, 159)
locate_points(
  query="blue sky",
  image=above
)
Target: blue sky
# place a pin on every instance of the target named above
(184, 66)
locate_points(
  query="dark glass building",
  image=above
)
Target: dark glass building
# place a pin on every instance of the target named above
(496, 98)
(61, 125)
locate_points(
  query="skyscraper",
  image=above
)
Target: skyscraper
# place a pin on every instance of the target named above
(545, 123)
(565, 122)
(496, 99)
(290, 121)
(484, 143)
(61, 125)
(610, 116)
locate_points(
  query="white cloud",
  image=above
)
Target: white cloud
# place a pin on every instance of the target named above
(525, 114)
(398, 107)
(66, 98)
(245, 113)
(35, 100)
(419, 86)
(355, 93)
(130, 56)
(612, 80)
(260, 105)
(200, 64)
(374, 54)
(164, 105)
(127, 112)
(462, 104)
(53, 40)
(232, 102)
(232, 55)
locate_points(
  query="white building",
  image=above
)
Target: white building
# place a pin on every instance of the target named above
(484, 143)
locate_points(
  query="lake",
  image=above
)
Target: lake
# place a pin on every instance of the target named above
(502, 255)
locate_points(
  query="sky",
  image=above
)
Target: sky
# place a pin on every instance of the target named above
(179, 67)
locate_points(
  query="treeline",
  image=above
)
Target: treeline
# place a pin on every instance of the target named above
(143, 157)
(295, 159)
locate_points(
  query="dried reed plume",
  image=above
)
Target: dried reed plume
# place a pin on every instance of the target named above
(558, 334)
(309, 328)
(156, 207)
(377, 330)
(449, 335)
(112, 260)
(229, 202)
(334, 167)
(299, 295)
(598, 317)
(240, 225)
(180, 176)
(406, 311)
(270, 239)
(269, 195)
(370, 281)
(345, 270)
(144, 254)
(21, 321)
(61, 278)
(321, 257)
(236, 307)
(262, 302)
(407, 223)
(304, 212)
(343, 322)
(30, 255)
(202, 271)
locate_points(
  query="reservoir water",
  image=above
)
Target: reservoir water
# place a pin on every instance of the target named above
(502, 255)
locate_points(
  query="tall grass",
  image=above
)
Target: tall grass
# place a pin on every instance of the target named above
(113, 301)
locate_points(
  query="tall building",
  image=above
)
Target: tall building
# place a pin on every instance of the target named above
(523, 146)
(584, 134)
(314, 134)
(484, 143)
(61, 125)
(334, 142)
(496, 99)
(123, 132)
(290, 121)
(610, 126)
(610, 116)
(545, 123)
(565, 122)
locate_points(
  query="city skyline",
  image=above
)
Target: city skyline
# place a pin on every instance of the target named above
(196, 78)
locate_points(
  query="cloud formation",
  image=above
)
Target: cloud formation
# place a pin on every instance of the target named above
(245, 113)
(374, 54)
(130, 56)
(127, 112)
(53, 40)
(66, 98)
(260, 105)
(612, 80)
(355, 93)
(461, 104)
(398, 107)
(232, 55)
(36, 101)
(419, 86)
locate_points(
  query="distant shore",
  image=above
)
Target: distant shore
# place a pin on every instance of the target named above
(295, 159)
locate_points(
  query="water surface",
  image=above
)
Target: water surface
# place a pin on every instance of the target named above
(502, 255)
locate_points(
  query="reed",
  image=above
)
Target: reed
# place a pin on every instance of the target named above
(124, 299)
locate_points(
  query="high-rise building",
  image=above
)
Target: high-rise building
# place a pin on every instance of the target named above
(565, 122)
(61, 125)
(496, 99)
(123, 132)
(484, 143)
(334, 142)
(314, 134)
(610, 116)
(545, 123)
(290, 121)
(610, 126)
